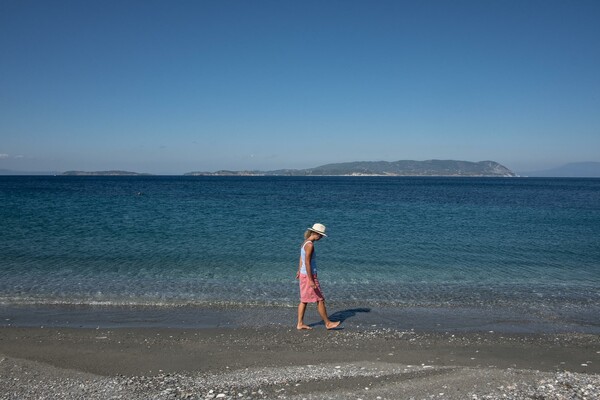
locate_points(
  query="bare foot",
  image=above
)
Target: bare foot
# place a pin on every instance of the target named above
(302, 326)
(333, 325)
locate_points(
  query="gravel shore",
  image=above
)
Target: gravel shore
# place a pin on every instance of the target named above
(280, 363)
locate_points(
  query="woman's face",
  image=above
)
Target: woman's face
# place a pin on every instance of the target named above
(316, 236)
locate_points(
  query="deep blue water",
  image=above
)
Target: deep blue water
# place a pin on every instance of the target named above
(521, 244)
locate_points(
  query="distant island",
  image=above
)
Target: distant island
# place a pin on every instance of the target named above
(103, 173)
(384, 168)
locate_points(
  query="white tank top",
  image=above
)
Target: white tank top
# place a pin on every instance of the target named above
(313, 260)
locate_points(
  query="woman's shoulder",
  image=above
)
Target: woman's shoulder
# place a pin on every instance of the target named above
(307, 243)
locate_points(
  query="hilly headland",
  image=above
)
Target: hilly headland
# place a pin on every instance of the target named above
(384, 168)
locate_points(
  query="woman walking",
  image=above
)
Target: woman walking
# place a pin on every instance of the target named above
(310, 290)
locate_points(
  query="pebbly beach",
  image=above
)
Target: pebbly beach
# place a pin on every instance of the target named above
(280, 362)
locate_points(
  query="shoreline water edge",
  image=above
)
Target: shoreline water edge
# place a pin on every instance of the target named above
(415, 318)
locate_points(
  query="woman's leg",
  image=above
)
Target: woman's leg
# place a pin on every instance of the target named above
(323, 312)
(301, 311)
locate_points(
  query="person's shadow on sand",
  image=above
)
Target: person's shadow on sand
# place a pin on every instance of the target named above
(343, 315)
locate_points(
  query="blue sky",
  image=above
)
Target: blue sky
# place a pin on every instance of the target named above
(170, 87)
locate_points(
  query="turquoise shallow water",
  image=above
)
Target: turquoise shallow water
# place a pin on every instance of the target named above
(522, 245)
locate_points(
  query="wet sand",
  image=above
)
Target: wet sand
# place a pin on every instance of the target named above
(277, 362)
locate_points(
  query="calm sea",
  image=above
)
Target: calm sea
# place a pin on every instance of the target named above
(514, 246)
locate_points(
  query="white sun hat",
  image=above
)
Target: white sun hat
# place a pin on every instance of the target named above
(318, 228)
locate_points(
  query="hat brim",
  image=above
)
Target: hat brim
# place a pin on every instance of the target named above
(316, 231)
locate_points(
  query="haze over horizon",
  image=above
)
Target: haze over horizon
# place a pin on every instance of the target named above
(173, 87)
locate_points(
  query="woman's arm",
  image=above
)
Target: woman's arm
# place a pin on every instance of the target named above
(299, 267)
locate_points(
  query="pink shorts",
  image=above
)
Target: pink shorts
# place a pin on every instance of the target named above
(307, 293)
